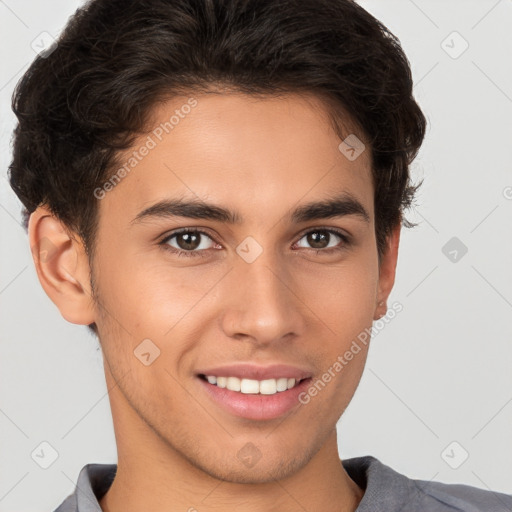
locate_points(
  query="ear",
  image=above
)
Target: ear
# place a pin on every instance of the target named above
(62, 266)
(387, 269)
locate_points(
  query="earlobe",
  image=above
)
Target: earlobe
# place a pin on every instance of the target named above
(62, 266)
(387, 272)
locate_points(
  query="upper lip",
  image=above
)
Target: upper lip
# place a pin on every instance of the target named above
(255, 372)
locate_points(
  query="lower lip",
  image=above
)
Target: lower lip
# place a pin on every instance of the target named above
(256, 406)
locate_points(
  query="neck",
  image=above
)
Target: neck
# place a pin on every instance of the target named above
(145, 481)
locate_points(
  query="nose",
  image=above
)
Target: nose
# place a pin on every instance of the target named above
(263, 302)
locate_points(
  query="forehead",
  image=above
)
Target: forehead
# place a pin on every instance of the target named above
(264, 153)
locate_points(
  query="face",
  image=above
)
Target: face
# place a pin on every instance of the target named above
(262, 278)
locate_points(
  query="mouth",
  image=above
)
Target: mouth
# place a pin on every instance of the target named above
(253, 399)
(253, 386)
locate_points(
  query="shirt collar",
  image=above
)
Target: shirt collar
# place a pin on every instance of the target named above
(381, 484)
(93, 482)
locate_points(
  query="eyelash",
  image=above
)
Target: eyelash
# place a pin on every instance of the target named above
(201, 253)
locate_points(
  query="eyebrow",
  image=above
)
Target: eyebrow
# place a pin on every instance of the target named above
(338, 206)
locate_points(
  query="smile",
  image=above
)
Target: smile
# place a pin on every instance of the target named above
(252, 386)
(252, 399)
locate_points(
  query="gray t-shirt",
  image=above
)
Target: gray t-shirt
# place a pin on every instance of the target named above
(385, 491)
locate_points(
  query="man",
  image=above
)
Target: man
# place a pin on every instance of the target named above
(216, 188)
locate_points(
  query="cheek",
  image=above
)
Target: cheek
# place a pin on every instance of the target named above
(150, 293)
(344, 301)
(342, 296)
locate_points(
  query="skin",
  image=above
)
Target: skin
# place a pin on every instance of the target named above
(177, 450)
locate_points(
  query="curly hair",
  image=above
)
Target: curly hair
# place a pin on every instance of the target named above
(82, 103)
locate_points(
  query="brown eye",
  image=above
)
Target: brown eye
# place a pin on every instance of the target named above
(318, 239)
(188, 241)
(323, 239)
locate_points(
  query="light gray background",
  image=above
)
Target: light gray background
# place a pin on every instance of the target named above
(439, 372)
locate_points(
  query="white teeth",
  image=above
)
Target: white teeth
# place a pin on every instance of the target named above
(251, 386)
(282, 384)
(268, 387)
(233, 384)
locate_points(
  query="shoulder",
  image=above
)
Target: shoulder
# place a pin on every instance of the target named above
(93, 482)
(465, 497)
(387, 490)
